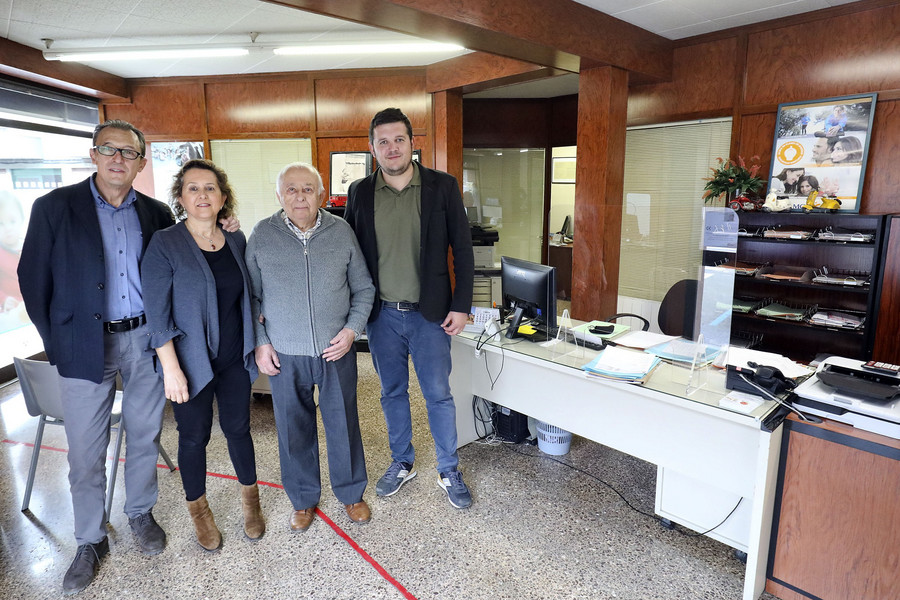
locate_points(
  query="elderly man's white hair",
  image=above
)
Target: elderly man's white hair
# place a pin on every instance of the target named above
(298, 165)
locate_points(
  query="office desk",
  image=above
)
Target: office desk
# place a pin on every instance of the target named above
(708, 458)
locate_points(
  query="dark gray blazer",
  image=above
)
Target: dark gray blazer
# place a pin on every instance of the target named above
(181, 304)
(444, 226)
(62, 275)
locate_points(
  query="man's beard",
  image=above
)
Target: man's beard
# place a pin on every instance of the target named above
(395, 172)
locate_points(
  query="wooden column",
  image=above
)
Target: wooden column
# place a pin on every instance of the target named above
(602, 108)
(447, 132)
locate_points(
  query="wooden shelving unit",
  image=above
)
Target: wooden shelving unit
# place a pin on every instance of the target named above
(801, 340)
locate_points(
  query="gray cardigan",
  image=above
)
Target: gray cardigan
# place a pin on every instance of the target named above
(181, 304)
(307, 294)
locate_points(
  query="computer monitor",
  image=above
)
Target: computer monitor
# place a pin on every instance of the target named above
(568, 227)
(529, 290)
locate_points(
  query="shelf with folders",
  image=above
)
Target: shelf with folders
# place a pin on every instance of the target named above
(833, 265)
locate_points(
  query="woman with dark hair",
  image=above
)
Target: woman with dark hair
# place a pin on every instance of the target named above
(197, 301)
(789, 178)
(847, 149)
(808, 184)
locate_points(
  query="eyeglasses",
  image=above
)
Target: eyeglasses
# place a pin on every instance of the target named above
(111, 151)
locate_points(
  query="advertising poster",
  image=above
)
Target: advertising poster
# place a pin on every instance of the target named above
(822, 146)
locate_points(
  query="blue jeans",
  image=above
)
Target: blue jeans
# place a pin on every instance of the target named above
(393, 337)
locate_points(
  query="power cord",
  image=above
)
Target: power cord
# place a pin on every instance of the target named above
(767, 394)
(655, 517)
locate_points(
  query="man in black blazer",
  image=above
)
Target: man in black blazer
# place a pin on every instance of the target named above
(406, 217)
(80, 279)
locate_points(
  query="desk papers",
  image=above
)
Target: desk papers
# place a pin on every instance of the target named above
(740, 357)
(685, 351)
(643, 339)
(622, 365)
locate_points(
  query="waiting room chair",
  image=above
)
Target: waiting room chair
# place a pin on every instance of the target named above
(39, 381)
(677, 310)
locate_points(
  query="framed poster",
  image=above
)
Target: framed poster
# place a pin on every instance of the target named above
(563, 170)
(347, 167)
(821, 146)
(166, 159)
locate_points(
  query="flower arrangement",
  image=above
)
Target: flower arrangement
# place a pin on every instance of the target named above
(732, 178)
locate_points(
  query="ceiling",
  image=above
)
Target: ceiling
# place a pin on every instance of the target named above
(81, 24)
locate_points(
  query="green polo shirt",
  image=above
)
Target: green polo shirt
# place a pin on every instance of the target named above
(398, 229)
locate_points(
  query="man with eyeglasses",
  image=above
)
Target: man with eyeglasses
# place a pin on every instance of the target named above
(80, 279)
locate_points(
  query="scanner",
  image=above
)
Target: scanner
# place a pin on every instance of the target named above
(844, 391)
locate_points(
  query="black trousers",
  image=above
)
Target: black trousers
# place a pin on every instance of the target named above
(230, 387)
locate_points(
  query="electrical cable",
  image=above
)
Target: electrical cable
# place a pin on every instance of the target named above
(767, 394)
(653, 516)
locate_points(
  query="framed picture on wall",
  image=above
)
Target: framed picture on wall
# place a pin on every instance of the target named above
(417, 156)
(347, 167)
(821, 146)
(563, 170)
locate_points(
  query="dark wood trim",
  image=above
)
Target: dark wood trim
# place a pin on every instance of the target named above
(72, 77)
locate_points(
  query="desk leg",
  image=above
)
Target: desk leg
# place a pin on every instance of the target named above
(463, 360)
(762, 513)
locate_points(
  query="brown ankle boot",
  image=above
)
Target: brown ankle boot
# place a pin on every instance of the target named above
(254, 525)
(208, 534)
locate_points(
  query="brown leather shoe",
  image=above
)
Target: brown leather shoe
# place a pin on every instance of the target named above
(302, 519)
(359, 512)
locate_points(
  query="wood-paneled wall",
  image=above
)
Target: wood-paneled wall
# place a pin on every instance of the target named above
(332, 108)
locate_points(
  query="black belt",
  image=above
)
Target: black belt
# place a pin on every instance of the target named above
(124, 324)
(404, 306)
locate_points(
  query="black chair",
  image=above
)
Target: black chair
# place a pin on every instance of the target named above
(676, 311)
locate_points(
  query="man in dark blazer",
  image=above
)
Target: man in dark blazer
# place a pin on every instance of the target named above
(80, 279)
(406, 217)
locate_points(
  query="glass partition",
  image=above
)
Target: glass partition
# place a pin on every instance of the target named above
(505, 186)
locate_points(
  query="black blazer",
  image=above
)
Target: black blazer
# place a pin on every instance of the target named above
(62, 276)
(444, 225)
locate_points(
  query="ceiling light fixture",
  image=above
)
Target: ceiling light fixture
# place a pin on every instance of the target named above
(384, 48)
(223, 50)
(144, 53)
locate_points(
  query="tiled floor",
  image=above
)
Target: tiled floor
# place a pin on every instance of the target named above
(538, 529)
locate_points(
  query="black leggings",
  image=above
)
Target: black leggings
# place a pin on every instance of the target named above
(231, 388)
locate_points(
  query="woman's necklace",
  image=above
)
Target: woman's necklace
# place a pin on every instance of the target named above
(212, 244)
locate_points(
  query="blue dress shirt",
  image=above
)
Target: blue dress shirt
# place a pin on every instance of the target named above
(122, 245)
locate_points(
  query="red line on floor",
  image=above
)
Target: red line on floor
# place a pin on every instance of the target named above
(334, 526)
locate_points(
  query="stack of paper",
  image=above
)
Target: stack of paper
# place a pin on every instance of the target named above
(685, 351)
(582, 332)
(622, 365)
(832, 318)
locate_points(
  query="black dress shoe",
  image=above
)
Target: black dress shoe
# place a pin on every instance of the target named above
(150, 537)
(84, 568)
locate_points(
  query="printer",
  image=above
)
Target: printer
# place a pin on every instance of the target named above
(842, 390)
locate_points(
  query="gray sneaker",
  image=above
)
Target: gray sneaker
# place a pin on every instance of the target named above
(394, 478)
(457, 492)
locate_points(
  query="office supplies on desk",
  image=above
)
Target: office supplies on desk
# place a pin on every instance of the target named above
(844, 391)
(479, 317)
(583, 332)
(641, 340)
(685, 351)
(622, 364)
(741, 357)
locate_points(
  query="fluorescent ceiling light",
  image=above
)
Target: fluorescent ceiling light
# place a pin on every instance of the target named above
(383, 48)
(142, 54)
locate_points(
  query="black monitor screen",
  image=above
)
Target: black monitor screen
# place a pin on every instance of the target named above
(529, 291)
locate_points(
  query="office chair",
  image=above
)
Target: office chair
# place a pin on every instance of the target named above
(676, 311)
(39, 381)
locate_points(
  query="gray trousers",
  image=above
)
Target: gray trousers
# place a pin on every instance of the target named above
(86, 409)
(298, 440)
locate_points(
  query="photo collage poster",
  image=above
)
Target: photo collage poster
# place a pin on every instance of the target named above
(822, 146)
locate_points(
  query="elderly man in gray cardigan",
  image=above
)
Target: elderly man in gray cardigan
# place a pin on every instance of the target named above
(311, 294)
